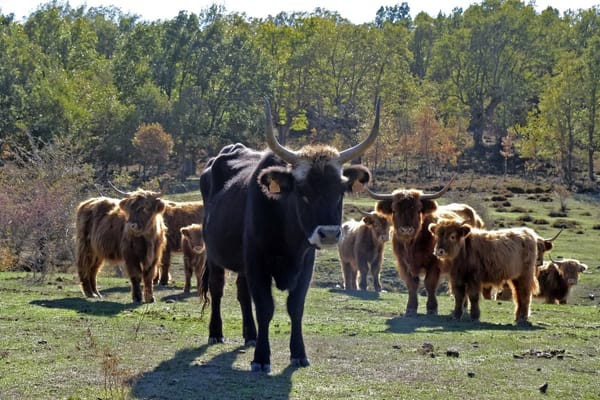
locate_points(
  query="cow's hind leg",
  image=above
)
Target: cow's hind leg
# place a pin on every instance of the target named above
(216, 282)
(165, 266)
(432, 281)
(243, 297)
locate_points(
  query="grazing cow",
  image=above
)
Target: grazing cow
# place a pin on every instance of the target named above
(361, 249)
(129, 230)
(475, 257)
(194, 254)
(266, 213)
(176, 216)
(411, 211)
(556, 278)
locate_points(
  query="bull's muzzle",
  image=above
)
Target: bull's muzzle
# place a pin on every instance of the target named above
(439, 252)
(405, 232)
(325, 235)
(571, 282)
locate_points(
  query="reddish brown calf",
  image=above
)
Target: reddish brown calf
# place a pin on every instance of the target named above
(194, 254)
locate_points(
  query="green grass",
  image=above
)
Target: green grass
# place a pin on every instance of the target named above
(56, 344)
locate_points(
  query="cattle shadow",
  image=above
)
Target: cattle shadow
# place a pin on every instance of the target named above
(181, 296)
(358, 294)
(186, 376)
(85, 306)
(445, 323)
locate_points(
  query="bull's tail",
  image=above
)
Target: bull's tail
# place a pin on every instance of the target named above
(203, 287)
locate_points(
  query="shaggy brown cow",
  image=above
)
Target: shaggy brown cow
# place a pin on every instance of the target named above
(556, 278)
(411, 211)
(475, 257)
(194, 254)
(176, 216)
(361, 249)
(129, 230)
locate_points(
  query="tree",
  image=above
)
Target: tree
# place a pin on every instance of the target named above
(153, 146)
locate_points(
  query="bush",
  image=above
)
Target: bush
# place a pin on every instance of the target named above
(39, 190)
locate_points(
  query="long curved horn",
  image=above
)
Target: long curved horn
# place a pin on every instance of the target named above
(282, 152)
(353, 152)
(562, 228)
(432, 196)
(379, 196)
(117, 189)
(364, 212)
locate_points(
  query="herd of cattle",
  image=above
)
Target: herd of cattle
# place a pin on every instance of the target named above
(265, 213)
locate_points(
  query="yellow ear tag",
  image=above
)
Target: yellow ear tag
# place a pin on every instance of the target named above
(358, 187)
(274, 187)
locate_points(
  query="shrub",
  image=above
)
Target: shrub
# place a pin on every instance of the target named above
(39, 190)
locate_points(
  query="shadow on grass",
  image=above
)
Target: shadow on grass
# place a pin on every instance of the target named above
(185, 376)
(445, 323)
(85, 306)
(359, 294)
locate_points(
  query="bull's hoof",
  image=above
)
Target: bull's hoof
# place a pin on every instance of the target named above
(433, 311)
(410, 313)
(523, 323)
(299, 362)
(149, 299)
(250, 343)
(216, 340)
(258, 367)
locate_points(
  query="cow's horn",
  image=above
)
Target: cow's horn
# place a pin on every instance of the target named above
(353, 152)
(432, 196)
(117, 189)
(555, 236)
(282, 152)
(379, 196)
(364, 212)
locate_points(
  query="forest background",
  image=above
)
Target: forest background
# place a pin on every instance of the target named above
(92, 95)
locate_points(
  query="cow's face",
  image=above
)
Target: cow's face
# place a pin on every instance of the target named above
(449, 236)
(570, 270)
(406, 210)
(379, 225)
(141, 208)
(193, 234)
(314, 191)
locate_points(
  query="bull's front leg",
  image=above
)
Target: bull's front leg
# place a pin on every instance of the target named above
(263, 301)
(243, 297)
(148, 276)
(412, 284)
(432, 281)
(474, 292)
(363, 269)
(295, 307)
(216, 282)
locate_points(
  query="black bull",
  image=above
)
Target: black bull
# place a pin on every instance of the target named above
(266, 213)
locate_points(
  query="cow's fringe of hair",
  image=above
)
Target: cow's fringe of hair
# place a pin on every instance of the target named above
(203, 289)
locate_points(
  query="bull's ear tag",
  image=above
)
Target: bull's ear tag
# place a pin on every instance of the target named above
(274, 187)
(358, 187)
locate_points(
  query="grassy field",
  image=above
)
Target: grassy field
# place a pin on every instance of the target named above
(55, 344)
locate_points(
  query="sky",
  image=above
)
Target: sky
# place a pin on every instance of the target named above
(358, 12)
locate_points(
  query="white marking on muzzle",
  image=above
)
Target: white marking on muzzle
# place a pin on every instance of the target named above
(325, 235)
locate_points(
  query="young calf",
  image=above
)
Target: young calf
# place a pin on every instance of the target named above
(476, 257)
(362, 244)
(194, 254)
(556, 278)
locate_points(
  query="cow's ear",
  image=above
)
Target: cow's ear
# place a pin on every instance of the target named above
(159, 206)
(548, 245)
(368, 220)
(275, 181)
(358, 178)
(185, 232)
(429, 206)
(384, 207)
(464, 230)
(583, 267)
